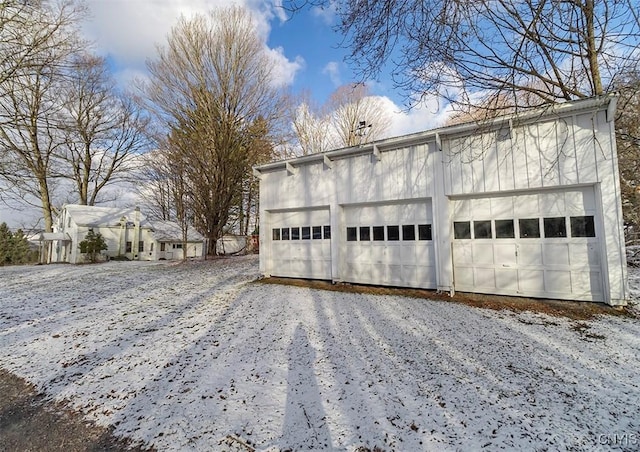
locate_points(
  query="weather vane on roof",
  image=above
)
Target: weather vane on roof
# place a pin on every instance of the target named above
(361, 130)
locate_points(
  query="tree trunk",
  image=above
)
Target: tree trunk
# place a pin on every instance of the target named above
(592, 52)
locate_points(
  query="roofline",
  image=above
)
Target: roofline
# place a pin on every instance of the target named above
(436, 135)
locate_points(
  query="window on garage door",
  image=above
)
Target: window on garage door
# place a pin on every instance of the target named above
(424, 232)
(583, 226)
(505, 229)
(555, 227)
(462, 230)
(529, 228)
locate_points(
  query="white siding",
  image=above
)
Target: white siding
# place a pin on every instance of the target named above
(560, 162)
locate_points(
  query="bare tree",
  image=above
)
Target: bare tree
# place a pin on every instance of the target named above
(103, 132)
(209, 86)
(30, 103)
(155, 184)
(26, 34)
(310, 124)
(262, 151)
(179, 184)
(470, 53)
(350, 117)
(356, 117)
(628, 144)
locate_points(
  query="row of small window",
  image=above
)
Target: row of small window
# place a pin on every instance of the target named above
(553, 227)
(129, 246)
(302, 233)
(377, 233)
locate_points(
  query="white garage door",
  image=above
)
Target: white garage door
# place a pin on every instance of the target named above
(544, 244)
(388, 244)
(300, 244)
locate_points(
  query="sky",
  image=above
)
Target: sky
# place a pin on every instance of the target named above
(308, 50)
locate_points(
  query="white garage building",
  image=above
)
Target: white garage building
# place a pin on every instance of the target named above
(528, 205)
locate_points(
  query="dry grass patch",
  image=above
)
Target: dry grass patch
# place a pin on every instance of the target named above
(575, 310)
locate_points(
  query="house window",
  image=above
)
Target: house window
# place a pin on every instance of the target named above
(128, 247)
(462, 229)
(295, 233)
(140, 247)
(275, 234)
(408, 232)
(306, 233)
(505, 229)
(177, 246)
(482, 229)
(378, 233)
(151, 248)
(327, 232)
(529, 228)
(317, 232)
(393, 233)
(285, 233)
(352, 234)
(582, 227)
(365, 233)
(555, 227)
(163, 246)
(424, 232)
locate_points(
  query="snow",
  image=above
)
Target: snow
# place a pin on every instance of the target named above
(100, 216)
(198, 356)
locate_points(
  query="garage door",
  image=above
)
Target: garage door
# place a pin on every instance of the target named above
(388, 244)
(300, 244)
(543, 244)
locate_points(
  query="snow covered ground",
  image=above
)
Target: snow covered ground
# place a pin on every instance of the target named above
(183, 356)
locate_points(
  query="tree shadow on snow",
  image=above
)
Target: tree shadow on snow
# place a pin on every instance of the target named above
(305, 422)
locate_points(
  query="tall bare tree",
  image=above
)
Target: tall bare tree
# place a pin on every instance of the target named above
(350, 117)
(41, 42)
(20, 50)
(209, 86)
(628, 144)
(262, 151)
(492, 54)
(103, 131)
(310, 123)
(156, 191)
(356, 117)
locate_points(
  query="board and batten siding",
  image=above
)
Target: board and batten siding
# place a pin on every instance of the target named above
(562, 151)
(544, 156)
(559, 160)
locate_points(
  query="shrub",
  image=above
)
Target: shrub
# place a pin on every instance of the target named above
(92, 245)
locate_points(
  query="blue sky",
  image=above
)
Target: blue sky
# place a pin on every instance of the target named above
(308, 50)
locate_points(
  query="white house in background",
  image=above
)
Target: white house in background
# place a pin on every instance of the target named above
(127, 233)
(527, 205)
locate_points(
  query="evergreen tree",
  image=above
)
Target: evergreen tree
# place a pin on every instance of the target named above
(5, 244)
(19, 248)
(92, 245)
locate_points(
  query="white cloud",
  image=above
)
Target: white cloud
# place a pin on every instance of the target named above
(426, 115)
(284, 70)
(333, 70)
(278, 10)
(129, 31)
(326, 12)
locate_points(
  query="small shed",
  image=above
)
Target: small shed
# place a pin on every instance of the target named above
(525, 205)
(232, 244)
